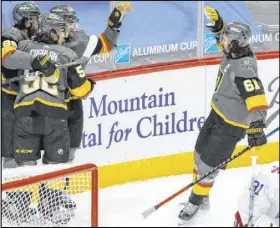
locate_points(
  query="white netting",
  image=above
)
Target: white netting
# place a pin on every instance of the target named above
(62, 201)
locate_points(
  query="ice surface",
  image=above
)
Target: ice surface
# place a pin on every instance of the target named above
(122, 205)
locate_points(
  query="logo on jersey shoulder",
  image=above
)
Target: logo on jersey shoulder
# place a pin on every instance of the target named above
(247, 63)
(122, 54)
(210, 44)
(226, 68)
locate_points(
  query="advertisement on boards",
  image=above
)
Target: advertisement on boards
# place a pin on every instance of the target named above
(156, 38)
(144, 116)
(158, 114)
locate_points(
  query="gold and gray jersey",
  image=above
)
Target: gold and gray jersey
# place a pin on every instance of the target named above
(15, 34)
(106, 42)
(44, 95)
(9, 40)
(239, 96)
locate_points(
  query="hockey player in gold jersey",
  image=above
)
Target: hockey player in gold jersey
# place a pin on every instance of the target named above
(77, 40)
(41, 116)
(25, 16)
(40, 106)
(239, 107)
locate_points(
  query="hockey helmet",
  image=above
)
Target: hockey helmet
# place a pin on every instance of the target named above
(50, 21)
(67, 12)
(25, 10)
(238, 34)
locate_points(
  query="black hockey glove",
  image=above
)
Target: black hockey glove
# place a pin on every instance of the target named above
(256, 136)
(44, 64)
(216, 24)
(118, 13)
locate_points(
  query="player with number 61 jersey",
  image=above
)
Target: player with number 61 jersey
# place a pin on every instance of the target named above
(239, 107)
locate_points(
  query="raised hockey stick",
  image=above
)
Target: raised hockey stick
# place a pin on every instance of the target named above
(87, 54)
(152, 209)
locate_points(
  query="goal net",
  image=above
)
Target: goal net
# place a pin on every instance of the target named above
(58, 195)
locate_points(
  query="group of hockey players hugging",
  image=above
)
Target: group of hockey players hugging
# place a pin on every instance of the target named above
(44, 111)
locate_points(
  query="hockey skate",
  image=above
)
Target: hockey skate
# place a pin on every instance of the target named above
(55, 206)
(191, 209)
(205, 205)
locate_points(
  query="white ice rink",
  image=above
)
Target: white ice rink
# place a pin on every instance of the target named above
(122, 205)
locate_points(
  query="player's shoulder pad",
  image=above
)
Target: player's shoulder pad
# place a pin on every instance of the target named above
(245, 67)
(22, 45)
(13, 34)
(81, 33)
(68, 52)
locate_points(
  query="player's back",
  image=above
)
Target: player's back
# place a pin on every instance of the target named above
(45, 95)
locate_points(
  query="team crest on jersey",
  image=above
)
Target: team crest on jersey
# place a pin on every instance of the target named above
(247, 63)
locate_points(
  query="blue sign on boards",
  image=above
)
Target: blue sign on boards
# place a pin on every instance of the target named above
(122, 53)
(210, 44)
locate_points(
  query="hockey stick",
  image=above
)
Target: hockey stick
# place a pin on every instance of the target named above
(87, 54)
(252, 192)
(152, 209)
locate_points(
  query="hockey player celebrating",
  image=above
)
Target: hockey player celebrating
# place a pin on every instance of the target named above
(77, 40)
(25, 16)
(239, 106)
(41, 113)
(265, 206)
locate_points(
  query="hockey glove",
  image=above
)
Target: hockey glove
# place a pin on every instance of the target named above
(118, 13)
(256, 136)
(216, 24)
(44, 64)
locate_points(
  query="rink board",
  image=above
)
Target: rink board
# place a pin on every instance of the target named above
(121, 133)
(182, 163)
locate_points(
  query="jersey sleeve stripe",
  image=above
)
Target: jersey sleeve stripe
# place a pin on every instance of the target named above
(106, 48)
(81, 91)
(7, 51)
(256, 102)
